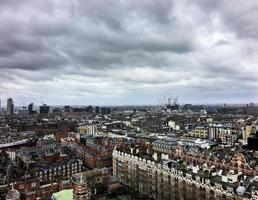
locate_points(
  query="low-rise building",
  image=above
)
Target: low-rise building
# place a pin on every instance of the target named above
(199, 132)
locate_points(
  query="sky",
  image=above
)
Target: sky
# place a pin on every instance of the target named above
(116, 52)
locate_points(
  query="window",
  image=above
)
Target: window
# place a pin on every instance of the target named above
(21, 186)
(33, 184)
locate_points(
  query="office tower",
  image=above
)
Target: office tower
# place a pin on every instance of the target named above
(97, 109)
(105, 110)
(67, 108)
(44, 109)
(10, 106)
(89, 109)
(31, 108)
(252, 141)
(23, 111)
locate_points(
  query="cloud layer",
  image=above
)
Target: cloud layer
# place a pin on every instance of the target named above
(128, 52)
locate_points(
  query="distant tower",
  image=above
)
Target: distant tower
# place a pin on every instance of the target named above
(44, 109)
(81, 190)
(10, 106)
(13, 194)
(31, 108)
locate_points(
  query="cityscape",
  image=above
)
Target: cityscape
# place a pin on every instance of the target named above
(128, 100)
(168, 151)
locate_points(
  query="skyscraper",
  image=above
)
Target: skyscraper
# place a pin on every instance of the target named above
(97, 109)
(10, 106)
(44, 109)
(31, 108)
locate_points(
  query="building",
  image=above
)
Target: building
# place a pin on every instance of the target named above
(31, 109)
(252, 141)
(48, 164)
(89, 109)
(199, 132)
(13, 194)
(31, 189)
(23, 111)
(81, 190)
(163, 148)
(247, 131)
(172, 124)
(44, 109)
(10, 106)
(93, 156)
(47, 143)
(67, 109)
(105, 110)
(159, 181)
(88, 129)
(97, 109)
(226, 133)
(93, 184)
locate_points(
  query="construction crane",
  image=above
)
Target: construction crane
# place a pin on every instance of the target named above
(23, 102)
(174, 99)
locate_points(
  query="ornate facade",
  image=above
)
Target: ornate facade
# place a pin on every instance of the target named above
(158, 181)
(81, 190)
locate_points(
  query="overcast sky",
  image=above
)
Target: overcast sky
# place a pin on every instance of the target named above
(111, 52)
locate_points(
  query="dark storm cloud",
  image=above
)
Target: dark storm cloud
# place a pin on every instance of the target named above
(85, 42)
(127, 47)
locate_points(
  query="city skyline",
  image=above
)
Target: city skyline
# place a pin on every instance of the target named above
(128, 52)
(20, 103)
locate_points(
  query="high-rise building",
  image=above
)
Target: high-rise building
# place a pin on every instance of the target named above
(44, 109)
(31, 108)
(105, 110)
(67, 108)
(97, 109)
(252, 141)
(89, 109)
(10, 106)
(247, 131)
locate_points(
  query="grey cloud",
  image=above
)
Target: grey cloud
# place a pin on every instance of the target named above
(93, 47)
(31, 61)
(114, 13)
(39, 34)
(239, 16)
